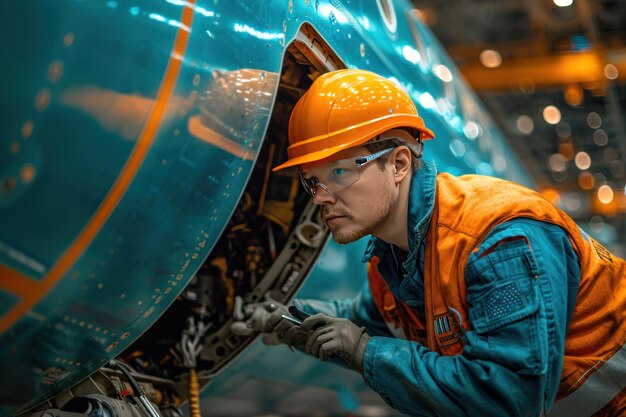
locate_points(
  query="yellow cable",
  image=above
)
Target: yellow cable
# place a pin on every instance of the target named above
(194, 394)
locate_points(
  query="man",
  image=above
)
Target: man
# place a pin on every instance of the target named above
(482, 298)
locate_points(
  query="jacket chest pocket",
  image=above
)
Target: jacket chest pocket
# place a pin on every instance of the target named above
(505, 309)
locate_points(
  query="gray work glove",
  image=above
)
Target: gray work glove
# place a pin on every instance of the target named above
(266, 317)
(332, 336)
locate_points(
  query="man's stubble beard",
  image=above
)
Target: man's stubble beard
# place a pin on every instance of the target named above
(348, 237)
(377, 217)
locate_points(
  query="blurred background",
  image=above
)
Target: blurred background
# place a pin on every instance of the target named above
(553, 75)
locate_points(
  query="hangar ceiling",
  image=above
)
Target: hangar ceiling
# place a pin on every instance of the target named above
(554, 78)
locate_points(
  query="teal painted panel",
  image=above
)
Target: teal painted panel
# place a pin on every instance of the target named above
(7, 301)
(81, 110)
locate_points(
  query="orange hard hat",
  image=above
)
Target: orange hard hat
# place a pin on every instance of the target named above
(347, 108)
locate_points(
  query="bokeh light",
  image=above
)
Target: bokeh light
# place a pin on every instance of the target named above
(490, 58)
(600, 137)
(596, 223)
(594, 120)
(582, 160)
(525, 124)
(574, 95)
(552, 115)
(586, 181)
(557, 163)
(611, 72)
(605, 194)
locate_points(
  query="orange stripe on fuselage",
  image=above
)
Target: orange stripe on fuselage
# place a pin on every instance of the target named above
(16, 282)
(146, 138)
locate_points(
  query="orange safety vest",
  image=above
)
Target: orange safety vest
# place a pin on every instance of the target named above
(466, 209)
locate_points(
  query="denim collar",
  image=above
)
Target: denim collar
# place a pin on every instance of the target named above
(421, 203)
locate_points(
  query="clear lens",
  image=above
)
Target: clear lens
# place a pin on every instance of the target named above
(337, 175)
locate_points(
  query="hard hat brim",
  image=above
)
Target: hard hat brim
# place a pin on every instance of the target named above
(323, 146)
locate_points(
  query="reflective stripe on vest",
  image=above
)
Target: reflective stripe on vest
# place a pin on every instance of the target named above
(596, 391)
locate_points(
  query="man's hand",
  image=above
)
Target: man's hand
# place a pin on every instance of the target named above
(259, 317)
(266, 317)
(334, 336)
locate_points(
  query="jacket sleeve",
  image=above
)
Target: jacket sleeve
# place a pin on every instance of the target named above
(361, 310)
(521, 290)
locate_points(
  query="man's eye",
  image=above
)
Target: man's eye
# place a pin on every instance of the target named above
(338, 172)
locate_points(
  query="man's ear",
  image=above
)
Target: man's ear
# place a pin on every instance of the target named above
(401, 160)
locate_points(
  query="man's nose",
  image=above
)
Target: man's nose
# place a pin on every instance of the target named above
(323, 196)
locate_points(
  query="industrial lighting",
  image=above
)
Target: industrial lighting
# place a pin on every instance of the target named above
(490, 58)
(243, 28)
(552, 115)
(605, 194)
(610, 71)
(557, 163)
(596, 223)
(426, 100)
(499, 162)
(573, 95)
(566, 148)
(600, 137)
(443, 73)
(457, 148)
(563, 3)
(572, 202)
(594, 120)
(420, 14)
(411, 54)
(586, 181)
(471, 130)
(525, 124)
(582, 160)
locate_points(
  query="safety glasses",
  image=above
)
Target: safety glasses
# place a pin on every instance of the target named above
(337, 175)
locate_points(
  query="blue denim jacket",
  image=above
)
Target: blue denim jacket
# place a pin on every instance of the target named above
(511, 370)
